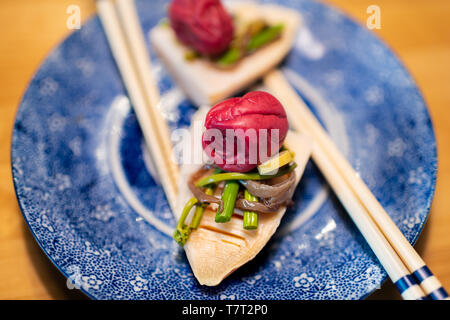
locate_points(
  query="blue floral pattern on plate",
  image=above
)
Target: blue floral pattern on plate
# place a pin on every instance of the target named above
(82, 180)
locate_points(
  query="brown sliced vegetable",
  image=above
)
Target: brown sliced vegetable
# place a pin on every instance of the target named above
(264, 190)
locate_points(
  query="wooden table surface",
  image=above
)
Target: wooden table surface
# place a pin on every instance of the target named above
(419, 31)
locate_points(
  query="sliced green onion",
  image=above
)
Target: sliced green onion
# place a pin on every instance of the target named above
(182, 232)
(229, 196)
(250, 217)
(216, 178)
(265, 36)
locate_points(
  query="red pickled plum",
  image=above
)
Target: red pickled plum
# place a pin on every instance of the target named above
(245, 118)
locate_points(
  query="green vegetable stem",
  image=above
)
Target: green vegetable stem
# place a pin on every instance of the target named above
(228, 176)
(182, 232)
(265, 36)
(250, 217)
(229, 196)
(199, 210)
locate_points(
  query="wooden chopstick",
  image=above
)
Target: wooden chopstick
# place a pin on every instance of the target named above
(325, 157)
(393, 265)
(144, 106)
(410, 257)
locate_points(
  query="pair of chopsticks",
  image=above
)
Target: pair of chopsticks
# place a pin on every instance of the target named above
(124, 34)
(404, 266)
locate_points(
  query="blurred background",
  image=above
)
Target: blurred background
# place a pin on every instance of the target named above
(417, 30)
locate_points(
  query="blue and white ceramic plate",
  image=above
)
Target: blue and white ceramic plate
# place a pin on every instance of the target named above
(82, 177)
